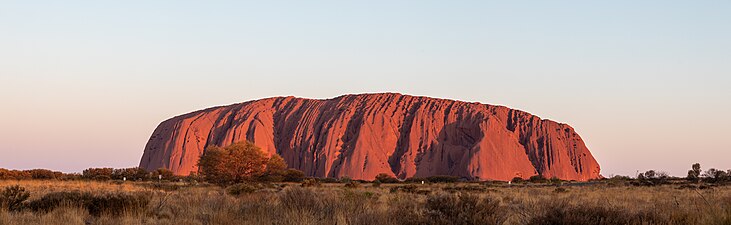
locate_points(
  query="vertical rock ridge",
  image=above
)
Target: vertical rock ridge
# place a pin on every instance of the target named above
(360, 136)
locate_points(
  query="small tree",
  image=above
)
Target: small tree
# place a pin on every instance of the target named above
(695, 172)
(236, 163)
(275, 168)
(211, 165)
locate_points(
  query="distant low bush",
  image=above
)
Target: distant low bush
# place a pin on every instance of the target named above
(327, 180)
(310, 183)
(132, 174)
(651, 178)
(40, 174)
(717, 176)
(6, 174)
(537, 179)
(293, 175)
(352, 184)
(164, 174)
(98, 174)
(410, 188)
(517, 180)
(345, 180)
(434, 179)
(385, 178)
(44, 174)
(469, 188)
(444, 179)
(376, 183)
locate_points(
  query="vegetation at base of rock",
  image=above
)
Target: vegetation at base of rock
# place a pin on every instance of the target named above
(696, 176)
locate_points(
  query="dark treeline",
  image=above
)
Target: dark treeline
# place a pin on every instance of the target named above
(647, 178)
(99, 174)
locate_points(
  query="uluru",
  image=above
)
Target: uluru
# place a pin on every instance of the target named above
(360, 136)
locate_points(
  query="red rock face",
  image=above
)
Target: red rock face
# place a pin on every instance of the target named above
(360, 136)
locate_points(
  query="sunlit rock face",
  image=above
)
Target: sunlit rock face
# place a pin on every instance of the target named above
(361, 136)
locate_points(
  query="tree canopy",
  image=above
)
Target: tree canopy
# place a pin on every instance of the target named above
(238, 163)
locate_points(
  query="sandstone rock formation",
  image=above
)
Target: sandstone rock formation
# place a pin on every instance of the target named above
(360, 136)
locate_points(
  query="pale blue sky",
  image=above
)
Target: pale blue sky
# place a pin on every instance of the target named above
(647, 85)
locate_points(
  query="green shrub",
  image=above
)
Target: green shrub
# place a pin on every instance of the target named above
(12, 198)
(118, 203)
(464, 209)
(113, 204)
(564, 213)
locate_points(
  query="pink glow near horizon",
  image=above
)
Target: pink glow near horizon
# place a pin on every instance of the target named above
(84, 85)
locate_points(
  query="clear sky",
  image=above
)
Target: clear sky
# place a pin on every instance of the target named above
(647, 84)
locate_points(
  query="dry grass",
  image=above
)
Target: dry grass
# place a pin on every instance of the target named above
(427, 204)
